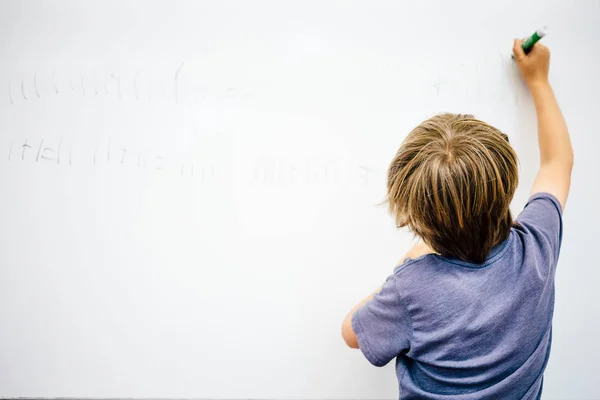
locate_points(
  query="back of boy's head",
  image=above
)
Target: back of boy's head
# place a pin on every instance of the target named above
(451, 182)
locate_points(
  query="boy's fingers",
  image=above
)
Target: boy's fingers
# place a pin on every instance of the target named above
(540, 47)
(536, 47)
(518, 49)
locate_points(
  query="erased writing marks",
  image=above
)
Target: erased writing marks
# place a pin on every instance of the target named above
(311, 171)
(44, 152)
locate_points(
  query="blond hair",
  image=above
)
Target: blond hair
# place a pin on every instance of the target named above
(451, 182)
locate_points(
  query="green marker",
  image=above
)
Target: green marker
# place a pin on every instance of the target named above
(533, 39)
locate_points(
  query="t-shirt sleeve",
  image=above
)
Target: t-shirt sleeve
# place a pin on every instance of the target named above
(542, 220)
(383, 326)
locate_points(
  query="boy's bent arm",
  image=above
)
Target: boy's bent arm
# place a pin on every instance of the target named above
(556, 152)
(348, 333)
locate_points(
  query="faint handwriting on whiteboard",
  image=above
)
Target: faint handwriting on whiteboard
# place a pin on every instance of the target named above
(119, 85)
(44, 153)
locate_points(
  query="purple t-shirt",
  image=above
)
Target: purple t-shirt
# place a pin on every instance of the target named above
(467, 331)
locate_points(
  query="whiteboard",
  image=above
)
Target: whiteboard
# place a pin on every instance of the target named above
(190, 189)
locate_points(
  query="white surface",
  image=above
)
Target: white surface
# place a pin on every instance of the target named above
(232, 281)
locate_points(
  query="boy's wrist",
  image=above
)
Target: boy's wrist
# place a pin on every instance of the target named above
(537, 86)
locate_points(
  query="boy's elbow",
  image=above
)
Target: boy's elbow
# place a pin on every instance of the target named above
(564, 162)
(348, 333)
(569, 159)
(350, 340)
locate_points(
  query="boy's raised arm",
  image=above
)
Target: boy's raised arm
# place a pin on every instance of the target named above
(556, 153)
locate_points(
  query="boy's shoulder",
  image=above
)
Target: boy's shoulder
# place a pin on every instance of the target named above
(432, 267)
(410, 263)
(415, 270)
(535, 238)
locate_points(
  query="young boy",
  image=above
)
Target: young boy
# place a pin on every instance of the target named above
(468, 313)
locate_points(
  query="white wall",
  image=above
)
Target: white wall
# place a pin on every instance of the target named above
(189, 189)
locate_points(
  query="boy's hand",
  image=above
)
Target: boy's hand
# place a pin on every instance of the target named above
(533, 66)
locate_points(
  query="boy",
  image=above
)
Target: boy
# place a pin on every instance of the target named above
(468, 312)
